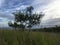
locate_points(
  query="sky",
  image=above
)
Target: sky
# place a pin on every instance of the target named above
(51, 9)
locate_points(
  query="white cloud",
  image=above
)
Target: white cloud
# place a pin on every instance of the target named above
(1, 2)
(40, 5)
(52, 10)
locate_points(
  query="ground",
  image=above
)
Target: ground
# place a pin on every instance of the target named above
(12, 37)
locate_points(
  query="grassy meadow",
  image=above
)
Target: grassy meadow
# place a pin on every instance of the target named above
(12, 37)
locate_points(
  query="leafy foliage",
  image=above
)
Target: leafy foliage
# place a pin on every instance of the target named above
(28, 18)
(29, 10)
(13, 25)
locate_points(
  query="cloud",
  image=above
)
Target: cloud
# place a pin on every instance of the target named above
(40, 5)
(48, 23)
(52, 14)
(4, 18)
(6, 15)
(9, 6)
(51, 8)
(3, 22)
(1, 2)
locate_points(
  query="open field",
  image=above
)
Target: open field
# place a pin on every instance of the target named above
(11, 37)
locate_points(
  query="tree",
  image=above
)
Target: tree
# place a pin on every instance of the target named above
(20, 18)
(12, 25)
(29, 10)
(26, 19)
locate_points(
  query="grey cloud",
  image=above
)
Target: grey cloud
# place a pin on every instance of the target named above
(51, 22)
(48, 23)
(7, 15)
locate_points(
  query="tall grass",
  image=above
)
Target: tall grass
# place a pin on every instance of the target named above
(10, 37)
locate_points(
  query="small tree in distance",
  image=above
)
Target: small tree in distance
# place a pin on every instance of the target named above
(26, 19)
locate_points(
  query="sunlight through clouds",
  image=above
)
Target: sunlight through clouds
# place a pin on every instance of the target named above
(51, 8)
(52, 13)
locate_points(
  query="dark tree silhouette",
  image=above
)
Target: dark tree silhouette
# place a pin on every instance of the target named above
(14, 25)
(26, 20)
(29, 10)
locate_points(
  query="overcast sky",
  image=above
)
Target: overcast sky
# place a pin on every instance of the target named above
(51, 8)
